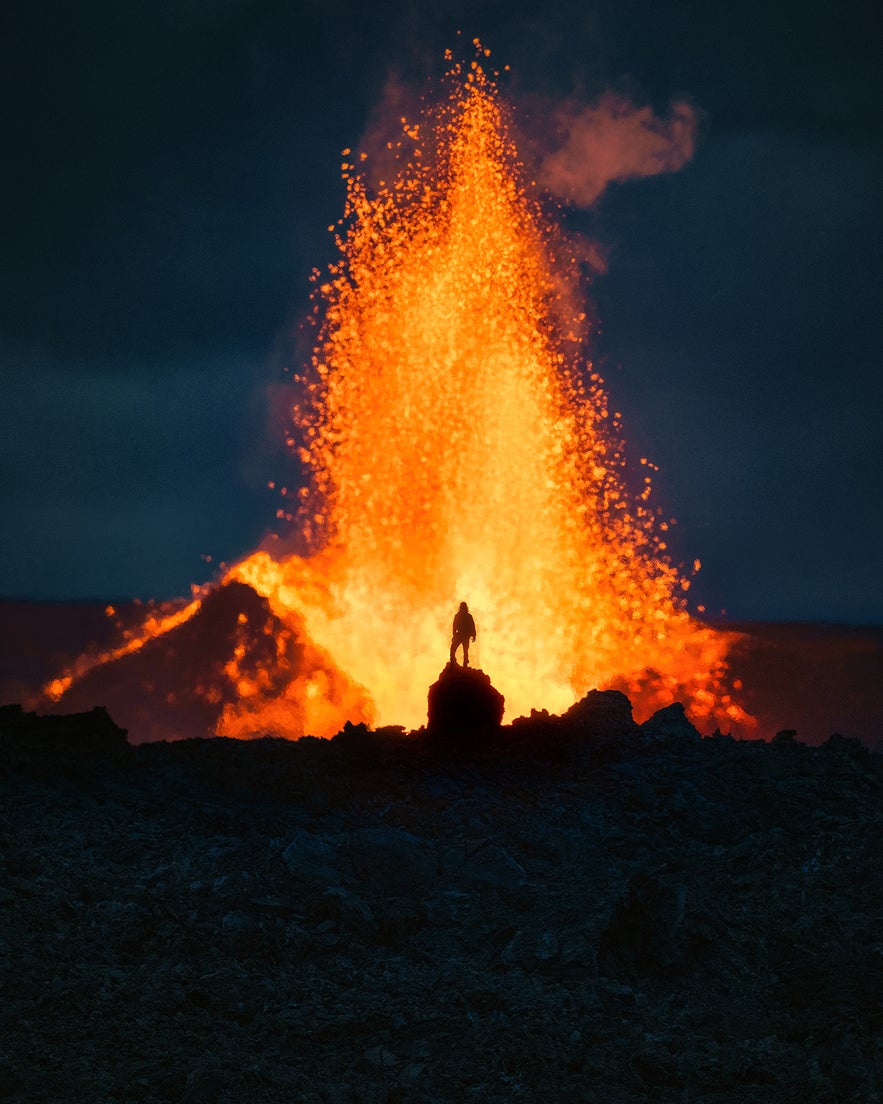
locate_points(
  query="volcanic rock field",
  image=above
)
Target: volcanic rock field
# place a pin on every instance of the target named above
(573, 909)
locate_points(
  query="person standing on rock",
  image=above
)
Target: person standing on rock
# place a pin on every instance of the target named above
(464, 631)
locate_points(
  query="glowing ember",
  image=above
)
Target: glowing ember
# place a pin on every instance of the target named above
(460, 448)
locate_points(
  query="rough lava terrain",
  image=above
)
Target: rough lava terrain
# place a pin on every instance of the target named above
(572, 909)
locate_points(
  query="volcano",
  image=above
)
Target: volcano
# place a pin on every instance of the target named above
(185, 683)
(817, 679)
(457, 444)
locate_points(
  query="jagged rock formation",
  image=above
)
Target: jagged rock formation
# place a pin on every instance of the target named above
(576, 909)
(464, 705)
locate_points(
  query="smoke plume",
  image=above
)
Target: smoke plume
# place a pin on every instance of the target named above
(614, 139)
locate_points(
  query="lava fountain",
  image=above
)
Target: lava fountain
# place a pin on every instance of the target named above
(460, 447)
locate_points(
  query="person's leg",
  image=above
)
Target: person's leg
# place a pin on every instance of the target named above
(465, 651)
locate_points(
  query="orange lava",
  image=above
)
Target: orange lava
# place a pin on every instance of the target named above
(152, 627)
(461, 448)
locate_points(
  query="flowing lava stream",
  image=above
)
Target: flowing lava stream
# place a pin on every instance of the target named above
(460, 448)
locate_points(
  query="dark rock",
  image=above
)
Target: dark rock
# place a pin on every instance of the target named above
(351, 913)
(87, 732)
(357, 741)
(847, 746)
(10, 1082)
(239, 923)
(464, 705)
(606, 713)
(531, 949)
(377, 919)
(487, 865)
(314, 859)
(204, 1087)
(670, 723)
(392, 862)
(645, 933)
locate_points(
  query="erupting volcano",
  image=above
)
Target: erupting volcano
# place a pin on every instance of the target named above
(458, 446)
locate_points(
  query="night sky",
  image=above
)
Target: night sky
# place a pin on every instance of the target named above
(170, 171)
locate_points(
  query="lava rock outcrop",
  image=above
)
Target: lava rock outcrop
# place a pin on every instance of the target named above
(464, 705)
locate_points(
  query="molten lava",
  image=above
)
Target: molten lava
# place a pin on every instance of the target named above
(460, 448)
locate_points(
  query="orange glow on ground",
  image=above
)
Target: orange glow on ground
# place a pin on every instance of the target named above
(460, 448)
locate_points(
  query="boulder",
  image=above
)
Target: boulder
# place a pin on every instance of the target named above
(605, 713)
(463, 704)
(670, 723)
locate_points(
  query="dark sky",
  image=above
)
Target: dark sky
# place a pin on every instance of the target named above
(169, 173)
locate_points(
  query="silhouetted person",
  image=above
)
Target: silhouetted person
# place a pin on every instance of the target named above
(464, 631)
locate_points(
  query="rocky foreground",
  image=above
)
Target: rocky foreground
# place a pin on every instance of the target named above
(574, 909)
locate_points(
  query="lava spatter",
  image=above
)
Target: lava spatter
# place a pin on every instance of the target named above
(460, 447)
